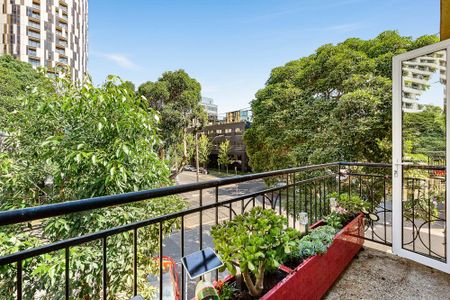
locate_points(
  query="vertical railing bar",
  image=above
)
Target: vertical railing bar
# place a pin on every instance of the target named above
(413, 214)
(217, 219)
(384, 209)
(339, 180)
(135, 261)
(310, 204)
(372, 200)
(104, 268)
(315, 201)
(287, 199)
(305, 192)
(293, 195)
(201, 220)
(429, 225)
(217, 207)
(160, 260)
(349, 186)
(183, 284)
(360, 186)
(254, 201)
(66, 272)
(264, 201)
(19, 279)
(320, 200)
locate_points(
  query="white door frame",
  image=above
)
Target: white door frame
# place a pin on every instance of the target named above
(397, 166)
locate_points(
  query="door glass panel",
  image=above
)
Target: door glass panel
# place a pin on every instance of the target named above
(423, 132)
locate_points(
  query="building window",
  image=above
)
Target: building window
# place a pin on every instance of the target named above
(34, 43)
(63, 60)
(61, 51)
(228, 130)
(34, 62)
(34, 34)
(32, 52)
(34, 25)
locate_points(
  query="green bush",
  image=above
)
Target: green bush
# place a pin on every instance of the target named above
(316, 242)
(336, 219)
(256, 242)
(351, 204)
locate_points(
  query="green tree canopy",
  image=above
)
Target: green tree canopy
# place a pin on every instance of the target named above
(81, 141)
(223, 156)
(333, 105)
(177, 97)
(16, 78)
(204, 149)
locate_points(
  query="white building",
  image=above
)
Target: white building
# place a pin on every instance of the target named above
(47, 33)
(210, 108)
(417, 75)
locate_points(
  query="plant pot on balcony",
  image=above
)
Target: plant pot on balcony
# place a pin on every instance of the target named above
(315, 275)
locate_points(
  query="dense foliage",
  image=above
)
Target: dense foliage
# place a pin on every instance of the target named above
(424, 134)
(223, 156)
(256, 242)
(177, 97)
(333, 105)
(16, 78)
(72, 142)
(204, 149)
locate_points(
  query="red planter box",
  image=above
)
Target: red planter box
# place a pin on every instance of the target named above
(314, 277)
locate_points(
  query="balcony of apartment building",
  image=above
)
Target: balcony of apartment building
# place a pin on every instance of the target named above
(33, 33)
(62, 59)
(61, 41)
(36, 6)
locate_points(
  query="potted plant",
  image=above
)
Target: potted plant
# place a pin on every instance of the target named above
(256, 242)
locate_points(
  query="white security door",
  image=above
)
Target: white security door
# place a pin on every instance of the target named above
(420, 154)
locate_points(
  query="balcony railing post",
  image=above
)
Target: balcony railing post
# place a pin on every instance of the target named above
(161, 260)
(104, 269)
(19, 280)
(293, 196)
(183, 287)
(67, 272)
(135, 261)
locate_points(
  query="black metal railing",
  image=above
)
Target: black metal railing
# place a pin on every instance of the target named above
(289, 192)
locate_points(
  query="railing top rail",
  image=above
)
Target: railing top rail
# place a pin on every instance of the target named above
(386, 165)
(59, 209)
(75, 241)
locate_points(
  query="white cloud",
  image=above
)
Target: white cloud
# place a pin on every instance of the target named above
(119, 59)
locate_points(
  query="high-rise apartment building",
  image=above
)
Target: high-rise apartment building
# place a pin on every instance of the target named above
(47, 33)
(419, 74)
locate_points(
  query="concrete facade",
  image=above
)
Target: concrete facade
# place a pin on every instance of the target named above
(234, 132)
(46, 33)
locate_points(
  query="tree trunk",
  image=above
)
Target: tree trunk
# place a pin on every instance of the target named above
(253, 290)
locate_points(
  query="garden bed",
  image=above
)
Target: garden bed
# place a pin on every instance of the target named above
(313, 277)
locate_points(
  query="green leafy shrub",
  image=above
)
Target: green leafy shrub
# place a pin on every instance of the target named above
(351, 204)
(316, 242)
(76, 142)
(256, 242)
(336, 219)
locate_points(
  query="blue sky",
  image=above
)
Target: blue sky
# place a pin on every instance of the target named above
(230, 46)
